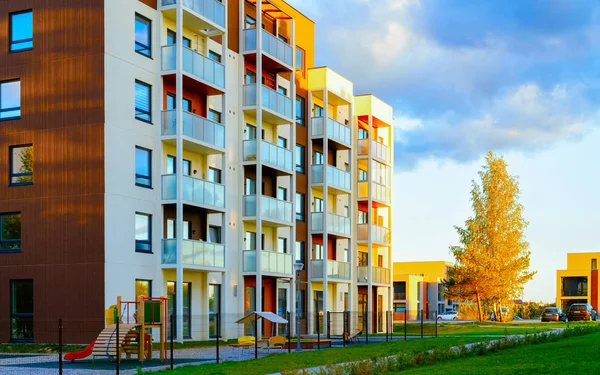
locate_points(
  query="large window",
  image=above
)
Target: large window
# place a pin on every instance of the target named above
(143, 167)
(143, 101)
(143, 288)
(299, 58)
(187, 307)
(300, 209)
(300, 104)
(143, 35)
(143, 232)
(21, 310)
(21, 164)
(21, 30)
(10, 232)
(10, 100)
(300, 158)
(300, 251)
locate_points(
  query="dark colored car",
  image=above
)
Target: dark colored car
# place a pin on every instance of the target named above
(553, 314)
(581, 311)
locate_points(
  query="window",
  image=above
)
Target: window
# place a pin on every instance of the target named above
(318, 205)
(21, 30)
(317, 251)
(319, 111)
(10, 100)
(214, 234)
(250, 77)
(362, 134)
(170, 101)
(21, 164)
(282, 38)
(21, 310)
(214, 56)
(282, 90)
(143, 288)
(362, 175)
(143, 232)
(282, 245)
(300, 250)
(187, 105)
(143, 100)
(363, 259)
(214, 115)
(299, 58)
(250, 22)
(143, 35)
(300, 209)
(10, 232)
(379, 261)
(300, 110)
(172, 165)
(282, 193)
(300, 155)
(250, 131)
(143, 167)
(318, 158)
(250, 186)
(187, 167)
(363, 217)
(172, 39)
(214, 175)
(281, 142)
(594, 264)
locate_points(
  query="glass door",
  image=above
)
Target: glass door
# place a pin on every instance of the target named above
(282, 310)
(187, 303)
(214, 307)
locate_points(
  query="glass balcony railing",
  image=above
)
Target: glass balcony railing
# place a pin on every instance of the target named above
(380, 192)
(194, 190)
(196, 127)
(195, 253)
(335, 130)
(380, 275)
(271, 99)
(380, 151)
(271, 261)
(379, 234)
(269, 153)
(195, 64)
(335, 270)
(335, 176)
(270, 208)
(212, 10)
(400, 295)
(334, 223)
(272, 45)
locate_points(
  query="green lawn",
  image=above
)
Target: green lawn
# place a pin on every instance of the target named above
(573, 355)
(481, 329)
(292, 361)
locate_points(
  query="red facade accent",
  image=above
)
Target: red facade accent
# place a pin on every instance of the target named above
(595, 289)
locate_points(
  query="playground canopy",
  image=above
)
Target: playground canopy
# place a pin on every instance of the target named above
(250, 318)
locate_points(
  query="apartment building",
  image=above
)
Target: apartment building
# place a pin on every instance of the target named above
(176, 148)
(579, 282)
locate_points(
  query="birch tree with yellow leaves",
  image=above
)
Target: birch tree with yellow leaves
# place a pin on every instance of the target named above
(492, 260)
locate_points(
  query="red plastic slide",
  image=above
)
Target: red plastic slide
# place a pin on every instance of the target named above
(82, 354)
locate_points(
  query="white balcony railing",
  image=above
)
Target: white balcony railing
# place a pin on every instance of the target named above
(195, 253)
(379, 234)
(195, 64)
(196, 127)
(335, 130)
(380, 151)
(271, 261)
(212, 10)
(334, 223)
(269, 153)
(335, 177)
(380, 275)
(195, 190)
(271, 99)
(272, 45)
(270, 208)
(335, 270)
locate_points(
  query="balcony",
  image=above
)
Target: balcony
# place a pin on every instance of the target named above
(195, 191)
(195, 253)
(335, 131)
(335, 224)
(380, 151)
(278, 105)
(335, 270)
(400, 296)
(210, 10)
(270, 153)
(275, 48)
(574, 286)
(273, 210)
(380, 192)
(209, 133)
(336, 178)
(207, 71)
(379, 275)
(380, 235)
(271, 262)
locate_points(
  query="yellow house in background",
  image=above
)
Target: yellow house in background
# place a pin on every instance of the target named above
(579, 282)
(418, 286)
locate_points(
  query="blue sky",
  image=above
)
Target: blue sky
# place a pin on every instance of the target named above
(521, 78)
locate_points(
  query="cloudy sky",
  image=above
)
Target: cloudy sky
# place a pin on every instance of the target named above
(521, 78)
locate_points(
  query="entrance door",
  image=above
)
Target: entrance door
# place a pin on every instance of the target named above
(319, 310)
(187, 303)
(362, 311)
(249, 306)
(214, 307)
(282, 310)
(379, 313)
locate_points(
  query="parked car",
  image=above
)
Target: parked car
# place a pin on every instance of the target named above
(448, 315)
(516, 317)
(581, 311)
(553, 314)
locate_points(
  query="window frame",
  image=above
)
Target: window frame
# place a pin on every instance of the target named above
(149, 177)
(302, 54)
(300, 161)
(215, 114)
(143, 111)
(300, 249)
(21, 315)
(149, 281)
(302, 101)
(136, 43)
(10, 109)
(216, 172)
(214, 56)
(19, 241)
(11, 173)
(10, 32)
(141, 248)
(300, 215)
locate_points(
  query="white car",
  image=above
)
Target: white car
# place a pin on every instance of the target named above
(448, 315)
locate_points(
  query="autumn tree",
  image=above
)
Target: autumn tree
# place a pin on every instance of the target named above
(492, 260)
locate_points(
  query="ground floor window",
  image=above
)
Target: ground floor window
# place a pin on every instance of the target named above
(214, 307)
(143, 288)
(21, 310)
(187, 304)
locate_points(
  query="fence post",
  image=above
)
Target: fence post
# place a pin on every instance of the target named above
(421, 323)
(171, 340)
(436, 324)
(118, 354)
(328, 325)
(318, 331)
(290, 333)
(60, 347)
(392, 324)
(344, 321)
(218, 329)
(405, 320)
(255, 336)
(366, 324)
(387, 325)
